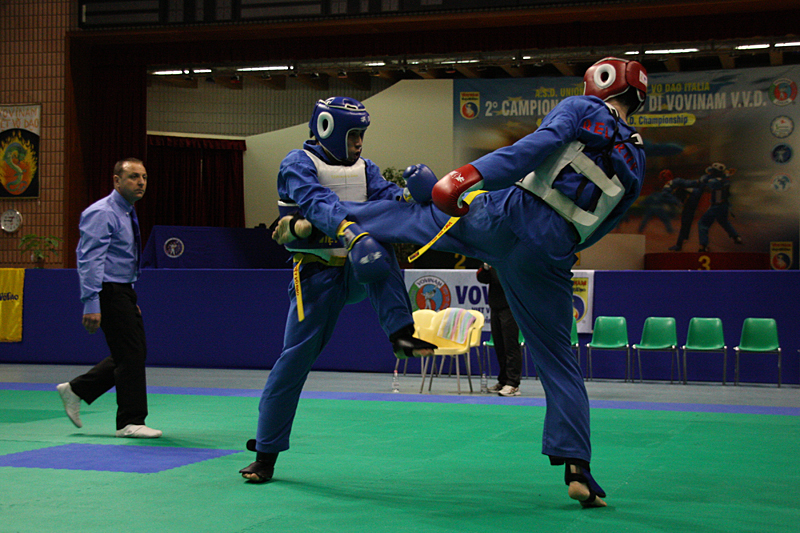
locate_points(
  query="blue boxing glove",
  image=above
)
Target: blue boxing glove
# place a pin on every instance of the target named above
(420, 180)
(370, 261)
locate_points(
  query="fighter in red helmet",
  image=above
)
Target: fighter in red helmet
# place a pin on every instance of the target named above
(552, 193)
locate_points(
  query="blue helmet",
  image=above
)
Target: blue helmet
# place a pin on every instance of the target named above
(332, 121)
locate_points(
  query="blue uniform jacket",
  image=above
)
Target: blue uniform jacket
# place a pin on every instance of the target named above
(589, 120)
(297, 181)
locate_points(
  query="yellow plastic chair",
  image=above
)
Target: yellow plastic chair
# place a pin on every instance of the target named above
(422, 321)
(705, 335)
(659, 335)
(610, 334)
(451, 348)
(759, 335)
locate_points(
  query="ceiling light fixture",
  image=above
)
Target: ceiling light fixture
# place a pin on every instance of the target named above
(261, 69)
(673, 51)
(752, 46)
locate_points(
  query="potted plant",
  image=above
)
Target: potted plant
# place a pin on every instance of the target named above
(40, 247)
(401, 250)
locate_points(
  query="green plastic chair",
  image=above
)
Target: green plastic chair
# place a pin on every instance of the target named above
(574, 340)
(759, 335)
(610, 333)
(487, 366)
(659, 335)
(490, 344)
(524, 350)
(706, 335)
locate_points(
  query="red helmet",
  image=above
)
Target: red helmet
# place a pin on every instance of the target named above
(612, 76)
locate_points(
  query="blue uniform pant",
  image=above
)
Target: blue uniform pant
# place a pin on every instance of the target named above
(532, 248)
(325, 292)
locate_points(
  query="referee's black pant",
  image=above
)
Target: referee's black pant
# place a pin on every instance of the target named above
(123, 327)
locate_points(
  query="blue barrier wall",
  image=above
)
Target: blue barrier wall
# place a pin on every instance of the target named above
(235, 318)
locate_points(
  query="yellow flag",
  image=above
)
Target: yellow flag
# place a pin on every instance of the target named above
(12, 281)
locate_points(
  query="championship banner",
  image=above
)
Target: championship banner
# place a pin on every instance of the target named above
(19, 151)
(780, 255)
(440, 289)
(12, 281)
(721, 168)
(583, 299)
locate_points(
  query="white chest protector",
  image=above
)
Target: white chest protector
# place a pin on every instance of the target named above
(350, 184)
(540, 183)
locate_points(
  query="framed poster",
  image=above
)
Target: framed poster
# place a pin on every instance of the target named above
(19, 150)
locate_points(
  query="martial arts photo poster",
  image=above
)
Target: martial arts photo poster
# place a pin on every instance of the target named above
(439, 289)
(20, 127)
(728, 133)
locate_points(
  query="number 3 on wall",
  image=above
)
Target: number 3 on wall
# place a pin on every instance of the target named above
(705, 262)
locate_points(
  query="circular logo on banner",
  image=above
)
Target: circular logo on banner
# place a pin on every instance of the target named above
(781, 261)
(173, 247)
(781, 127)
(781, 182)
(782, 153)
(783, 91)
(469, 110)
(430, 292)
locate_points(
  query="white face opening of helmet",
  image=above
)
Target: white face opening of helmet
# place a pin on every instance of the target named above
(324, 125)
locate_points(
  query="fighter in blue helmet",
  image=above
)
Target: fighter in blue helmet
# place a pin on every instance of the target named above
(554, 192)
(332, 268)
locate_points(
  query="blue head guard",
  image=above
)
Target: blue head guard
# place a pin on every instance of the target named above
(332, 121)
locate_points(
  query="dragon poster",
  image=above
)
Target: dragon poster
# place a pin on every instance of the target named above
(19, 150)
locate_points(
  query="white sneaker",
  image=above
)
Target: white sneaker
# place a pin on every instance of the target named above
(508, 390)
(139, 432)
(72, 403)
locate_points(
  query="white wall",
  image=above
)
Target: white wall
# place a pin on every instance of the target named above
(411, 122)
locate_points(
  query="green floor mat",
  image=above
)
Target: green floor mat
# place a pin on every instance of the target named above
(377, 466)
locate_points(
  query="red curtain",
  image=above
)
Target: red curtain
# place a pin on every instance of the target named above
(193, 182)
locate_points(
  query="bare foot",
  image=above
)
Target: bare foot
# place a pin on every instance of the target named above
(422, 353)
(580, 491)
(282, 235)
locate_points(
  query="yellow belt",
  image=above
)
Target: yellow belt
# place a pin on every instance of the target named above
(301, 259)
(450, 223)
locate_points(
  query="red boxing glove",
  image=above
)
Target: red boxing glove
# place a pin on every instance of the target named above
(449, 190)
